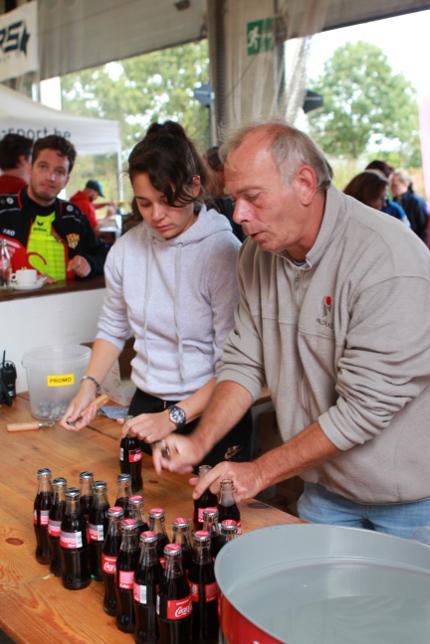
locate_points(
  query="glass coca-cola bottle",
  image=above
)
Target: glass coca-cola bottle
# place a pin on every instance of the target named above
(56, 514)
(125, 568)
(229, 531)
(98, 523)
(211, 525)
(146, 585)
(41, 508)
(109, 558)
(204, 590)
(206, 500)
(227, 507)
(5, 264)
(74, 548)
(157, 519)
(130, 461)
(181, 536)
(174, 605)
(86, 480)
(123, 492)
(136, 506)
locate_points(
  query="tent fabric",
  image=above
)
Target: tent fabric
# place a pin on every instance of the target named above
(20, 114)
(76, 34)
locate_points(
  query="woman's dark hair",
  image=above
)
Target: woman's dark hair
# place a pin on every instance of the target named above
(382, 166)
(170, 160)
(366, 186)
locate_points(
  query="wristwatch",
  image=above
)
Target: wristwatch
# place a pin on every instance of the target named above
(177, 416)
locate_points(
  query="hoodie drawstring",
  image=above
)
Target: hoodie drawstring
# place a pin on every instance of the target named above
(178, 268)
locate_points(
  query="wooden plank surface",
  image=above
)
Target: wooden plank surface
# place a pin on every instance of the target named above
(34, 606)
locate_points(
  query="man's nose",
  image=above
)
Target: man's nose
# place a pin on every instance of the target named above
(241, 212)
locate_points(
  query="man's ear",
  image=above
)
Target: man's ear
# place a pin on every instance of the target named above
(305, 184)
(196, 185)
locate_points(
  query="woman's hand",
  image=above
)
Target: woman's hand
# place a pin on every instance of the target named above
(149, 427)
(73, 420)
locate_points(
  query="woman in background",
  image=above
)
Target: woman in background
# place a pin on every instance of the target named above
(370, 187)
(171, 284)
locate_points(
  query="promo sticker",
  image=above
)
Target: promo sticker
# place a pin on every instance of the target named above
(61, 380)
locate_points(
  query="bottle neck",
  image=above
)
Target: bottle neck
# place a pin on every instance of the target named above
(58, 495)
(148, 554)
(123, 490)
(157, 525)
(202, 553)
(227, 496)
(100, 499)
(44, 486)
(129, 541)
(86, 488)
(173, 566)
(180, 536)
(210, 524)
(113, 527)
(136, 512)
(72, 506)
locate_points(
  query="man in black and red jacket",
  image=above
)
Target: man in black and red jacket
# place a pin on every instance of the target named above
(44, 232)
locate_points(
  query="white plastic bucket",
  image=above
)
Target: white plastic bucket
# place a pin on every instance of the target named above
(53, 377)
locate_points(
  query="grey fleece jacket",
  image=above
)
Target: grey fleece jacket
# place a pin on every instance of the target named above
(177, 298)
(345, 340)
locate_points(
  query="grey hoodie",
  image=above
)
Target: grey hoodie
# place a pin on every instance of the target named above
(177, 298)
(345, 340)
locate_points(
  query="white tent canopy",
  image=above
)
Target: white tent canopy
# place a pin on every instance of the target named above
(21, 115)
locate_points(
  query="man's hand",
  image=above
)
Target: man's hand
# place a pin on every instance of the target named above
(79, 266)
(177, 453)
(149, 427)
(246, 479)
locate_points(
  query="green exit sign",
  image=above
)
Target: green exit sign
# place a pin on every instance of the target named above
(259, 36)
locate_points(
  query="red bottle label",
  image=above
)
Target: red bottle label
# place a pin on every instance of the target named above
(44, 517)
(200, 515)
(96, 532)
(211, 592)
(54, 528)
(126, 579)
(179, 608)
(71, 540)
(109, 564)
(135, 455)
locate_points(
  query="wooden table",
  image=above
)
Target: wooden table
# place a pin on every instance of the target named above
(34, 606)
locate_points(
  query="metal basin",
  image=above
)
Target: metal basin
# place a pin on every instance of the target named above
(321, 584)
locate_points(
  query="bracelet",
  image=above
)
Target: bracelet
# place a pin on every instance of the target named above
(98, 387)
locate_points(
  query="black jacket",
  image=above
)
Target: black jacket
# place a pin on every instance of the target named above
(17, 214)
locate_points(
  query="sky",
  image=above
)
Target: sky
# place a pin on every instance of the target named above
(405, 40)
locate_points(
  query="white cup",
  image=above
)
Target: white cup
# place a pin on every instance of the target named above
(24, 277)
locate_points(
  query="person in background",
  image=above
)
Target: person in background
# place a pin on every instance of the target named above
(15, 163)
(85, 201)
(214, 187)
(171, 284)
(370, 187)
(390, 207)
(414, 205)
(334, 317)
(44, 232)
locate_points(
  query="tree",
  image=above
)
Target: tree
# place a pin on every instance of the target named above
(365, 104)
(137, 91)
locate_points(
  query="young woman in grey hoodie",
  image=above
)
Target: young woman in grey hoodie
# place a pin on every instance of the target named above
(170, 284)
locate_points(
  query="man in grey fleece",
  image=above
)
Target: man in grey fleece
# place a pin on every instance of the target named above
(335, 317)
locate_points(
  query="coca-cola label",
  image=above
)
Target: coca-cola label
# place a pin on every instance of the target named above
(96, 532)
(210, 592)
(71, 540)
(126, 579)
(54, 528)
(135, 455)
(43, 517)
(108, 564)
(179, 608)
(139, 593)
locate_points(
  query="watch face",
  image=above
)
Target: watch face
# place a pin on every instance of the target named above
(177, 415)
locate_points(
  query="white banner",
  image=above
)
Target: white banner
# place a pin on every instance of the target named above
(18, 42)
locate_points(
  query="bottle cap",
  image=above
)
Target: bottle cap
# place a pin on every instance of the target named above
(116, 511)
(172, 549)
(99, 485)
(229, 525)
(124, 477)
(72, 493)
(59, 482)
(148, 536)
(43, 472)
(137, 499)
(204, 469)
(210, 512)
(128, 525)
(156, 513)
(180, 522)
(201, 536)
(86, 476)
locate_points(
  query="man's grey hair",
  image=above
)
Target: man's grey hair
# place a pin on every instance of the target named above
(290, 148)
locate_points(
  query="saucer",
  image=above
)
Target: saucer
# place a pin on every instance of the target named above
(29, 287)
